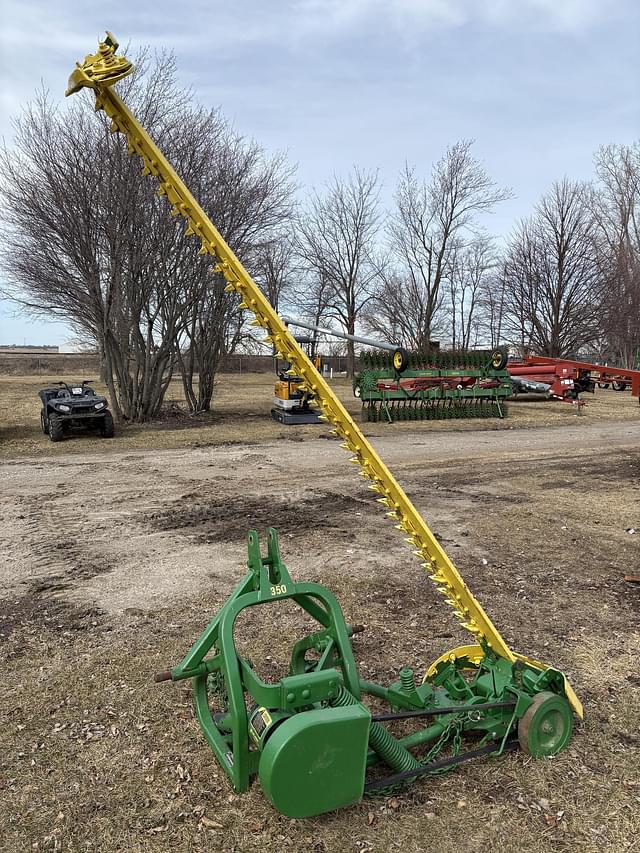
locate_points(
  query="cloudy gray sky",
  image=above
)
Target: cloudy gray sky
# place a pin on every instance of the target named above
(540, 84)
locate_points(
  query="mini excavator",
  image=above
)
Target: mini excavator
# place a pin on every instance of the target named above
(310, 738)
(292, 403)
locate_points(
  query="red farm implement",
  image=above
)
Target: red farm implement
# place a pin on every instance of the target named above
(564, 378)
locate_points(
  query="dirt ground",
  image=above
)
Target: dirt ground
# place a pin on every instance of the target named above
(117, 553)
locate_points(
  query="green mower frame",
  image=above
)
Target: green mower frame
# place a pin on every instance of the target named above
(310, 738)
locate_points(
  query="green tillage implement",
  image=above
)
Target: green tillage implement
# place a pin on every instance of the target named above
(433, 385)
(310, 738)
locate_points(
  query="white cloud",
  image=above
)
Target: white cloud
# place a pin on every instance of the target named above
(341, 16)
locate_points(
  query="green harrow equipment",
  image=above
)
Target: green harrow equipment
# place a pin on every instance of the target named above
(309, 737)
(433, 385)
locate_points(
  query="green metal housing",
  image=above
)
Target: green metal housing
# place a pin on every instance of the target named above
(316, 761)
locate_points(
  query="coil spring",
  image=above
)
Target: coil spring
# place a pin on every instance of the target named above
(382, 742)
(407, 680)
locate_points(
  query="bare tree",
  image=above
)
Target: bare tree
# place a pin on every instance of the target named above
(310, 297)
(519, 284)
(89, 241)
(337, 247)
(553, 286)
(492, 306)
(397, 312)
(432, 220)
(617, 206)
(249, 197)
(469, 279)
(274, 268)
(86, 240)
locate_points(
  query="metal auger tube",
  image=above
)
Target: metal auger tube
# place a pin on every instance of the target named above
(332, 333)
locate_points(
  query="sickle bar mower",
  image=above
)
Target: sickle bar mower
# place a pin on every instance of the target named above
(309, 737)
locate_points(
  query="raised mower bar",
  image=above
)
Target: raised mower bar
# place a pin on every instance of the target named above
(310, 737)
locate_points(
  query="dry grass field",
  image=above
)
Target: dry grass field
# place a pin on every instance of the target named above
(240, 405)
(116, 553)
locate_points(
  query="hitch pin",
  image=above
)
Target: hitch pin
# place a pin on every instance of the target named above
(165, 675)
(168, 675)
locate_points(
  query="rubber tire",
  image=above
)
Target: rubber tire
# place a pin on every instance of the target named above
(400, 360)
(603, 384)
(43, 422)
(619, 386)
(499, 358)
(554, 711)
(357, 391)
(56, 428)
(106, 427)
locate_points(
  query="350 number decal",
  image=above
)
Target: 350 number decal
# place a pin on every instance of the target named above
(279, 589)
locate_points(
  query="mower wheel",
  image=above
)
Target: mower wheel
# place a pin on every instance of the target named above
(619, 386)
(499, 358)
(106, 427)
(357, 391)
(603, 384)
(56, 428)
(43, 422)
(400, 360)
(545, 727)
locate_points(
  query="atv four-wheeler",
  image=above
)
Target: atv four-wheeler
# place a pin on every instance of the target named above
(75, 405)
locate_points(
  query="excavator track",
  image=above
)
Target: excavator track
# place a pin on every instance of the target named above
(99, 72)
